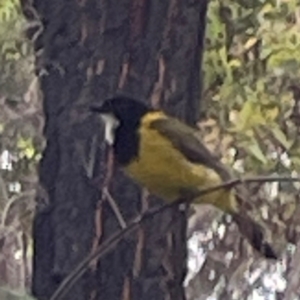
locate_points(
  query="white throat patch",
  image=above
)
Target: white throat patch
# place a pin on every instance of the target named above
(111, 123)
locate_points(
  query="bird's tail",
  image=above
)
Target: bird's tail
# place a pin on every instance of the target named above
(254, 234)
(234, 201)
(230, 202)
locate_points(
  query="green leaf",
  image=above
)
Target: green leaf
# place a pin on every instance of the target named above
(256, 151)
(296, 161)
(280, 137)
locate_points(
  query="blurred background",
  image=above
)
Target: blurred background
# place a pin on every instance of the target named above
(252, 120)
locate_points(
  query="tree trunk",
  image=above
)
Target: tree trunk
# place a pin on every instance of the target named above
(90, 50)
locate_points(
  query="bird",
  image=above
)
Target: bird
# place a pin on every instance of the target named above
(167, 157)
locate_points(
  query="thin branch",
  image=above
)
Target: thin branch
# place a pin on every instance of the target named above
(11, 202)
(257, 179)
(114, 207)
(112, 241)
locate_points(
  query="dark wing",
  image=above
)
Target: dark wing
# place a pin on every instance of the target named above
(185, 139)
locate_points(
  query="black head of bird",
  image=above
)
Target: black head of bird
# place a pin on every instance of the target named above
(123, 109)
(120, 114)
(122, 117)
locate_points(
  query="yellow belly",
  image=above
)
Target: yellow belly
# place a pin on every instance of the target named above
(165, 172)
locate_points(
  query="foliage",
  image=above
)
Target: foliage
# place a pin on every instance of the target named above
(15, 50)
(250, 65)
(251, 82)
(251, 101)
(20, 143)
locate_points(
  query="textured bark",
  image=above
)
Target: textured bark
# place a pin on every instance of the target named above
(91, 50)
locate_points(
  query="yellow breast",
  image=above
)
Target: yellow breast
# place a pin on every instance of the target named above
(165, 172)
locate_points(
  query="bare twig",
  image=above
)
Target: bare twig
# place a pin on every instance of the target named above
(99, 210)
(114, 207)
(256, 179)
(4, 192)
(11, 202)
(111, 242)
